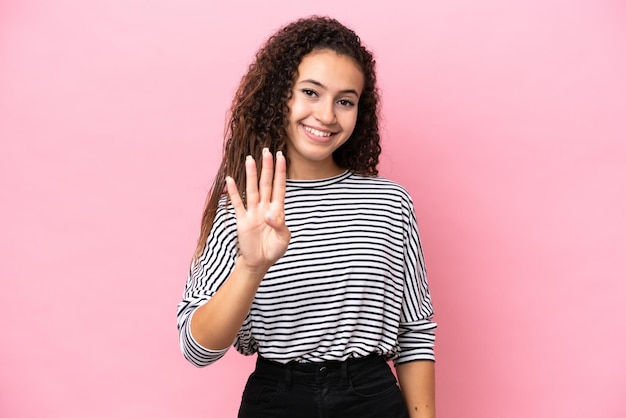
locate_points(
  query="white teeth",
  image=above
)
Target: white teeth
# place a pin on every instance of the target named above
(316, 132)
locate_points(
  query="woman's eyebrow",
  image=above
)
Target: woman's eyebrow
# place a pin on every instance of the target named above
(317, 83)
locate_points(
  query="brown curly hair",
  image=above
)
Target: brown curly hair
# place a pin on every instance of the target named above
(259, 111)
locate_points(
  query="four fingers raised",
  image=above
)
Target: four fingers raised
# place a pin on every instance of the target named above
(269, 188)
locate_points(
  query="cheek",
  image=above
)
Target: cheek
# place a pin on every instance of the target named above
(350, 122)
(295, 110)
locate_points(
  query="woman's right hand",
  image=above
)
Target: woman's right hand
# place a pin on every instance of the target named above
(263, 236)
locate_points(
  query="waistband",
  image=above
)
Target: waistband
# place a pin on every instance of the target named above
(324, 367)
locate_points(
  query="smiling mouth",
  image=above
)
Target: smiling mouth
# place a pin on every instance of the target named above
(316, 132)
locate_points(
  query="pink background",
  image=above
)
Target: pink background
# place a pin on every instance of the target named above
(505, 120)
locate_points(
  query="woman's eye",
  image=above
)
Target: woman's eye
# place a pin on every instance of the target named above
(345, 102)
(309, 92)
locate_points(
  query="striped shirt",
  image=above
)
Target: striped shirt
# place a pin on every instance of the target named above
(351, 283)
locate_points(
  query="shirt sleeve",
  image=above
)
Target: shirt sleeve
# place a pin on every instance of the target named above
(206, 275)
(416, 336)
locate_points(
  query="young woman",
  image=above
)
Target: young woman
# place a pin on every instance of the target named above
(306, 256)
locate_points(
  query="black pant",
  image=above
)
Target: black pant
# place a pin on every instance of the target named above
(360, 388)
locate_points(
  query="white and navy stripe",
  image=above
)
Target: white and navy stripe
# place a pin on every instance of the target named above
(351, 283)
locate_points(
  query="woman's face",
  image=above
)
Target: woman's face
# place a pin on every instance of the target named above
(322, 112)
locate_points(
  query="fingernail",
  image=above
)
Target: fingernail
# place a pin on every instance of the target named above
(279, 153)
(249, 158)
(265, 151)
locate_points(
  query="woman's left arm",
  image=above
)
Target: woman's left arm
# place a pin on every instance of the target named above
(417, 382)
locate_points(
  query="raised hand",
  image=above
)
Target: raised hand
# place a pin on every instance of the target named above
(262, 233)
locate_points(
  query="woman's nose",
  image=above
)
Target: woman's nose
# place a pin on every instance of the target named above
(325, 112)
